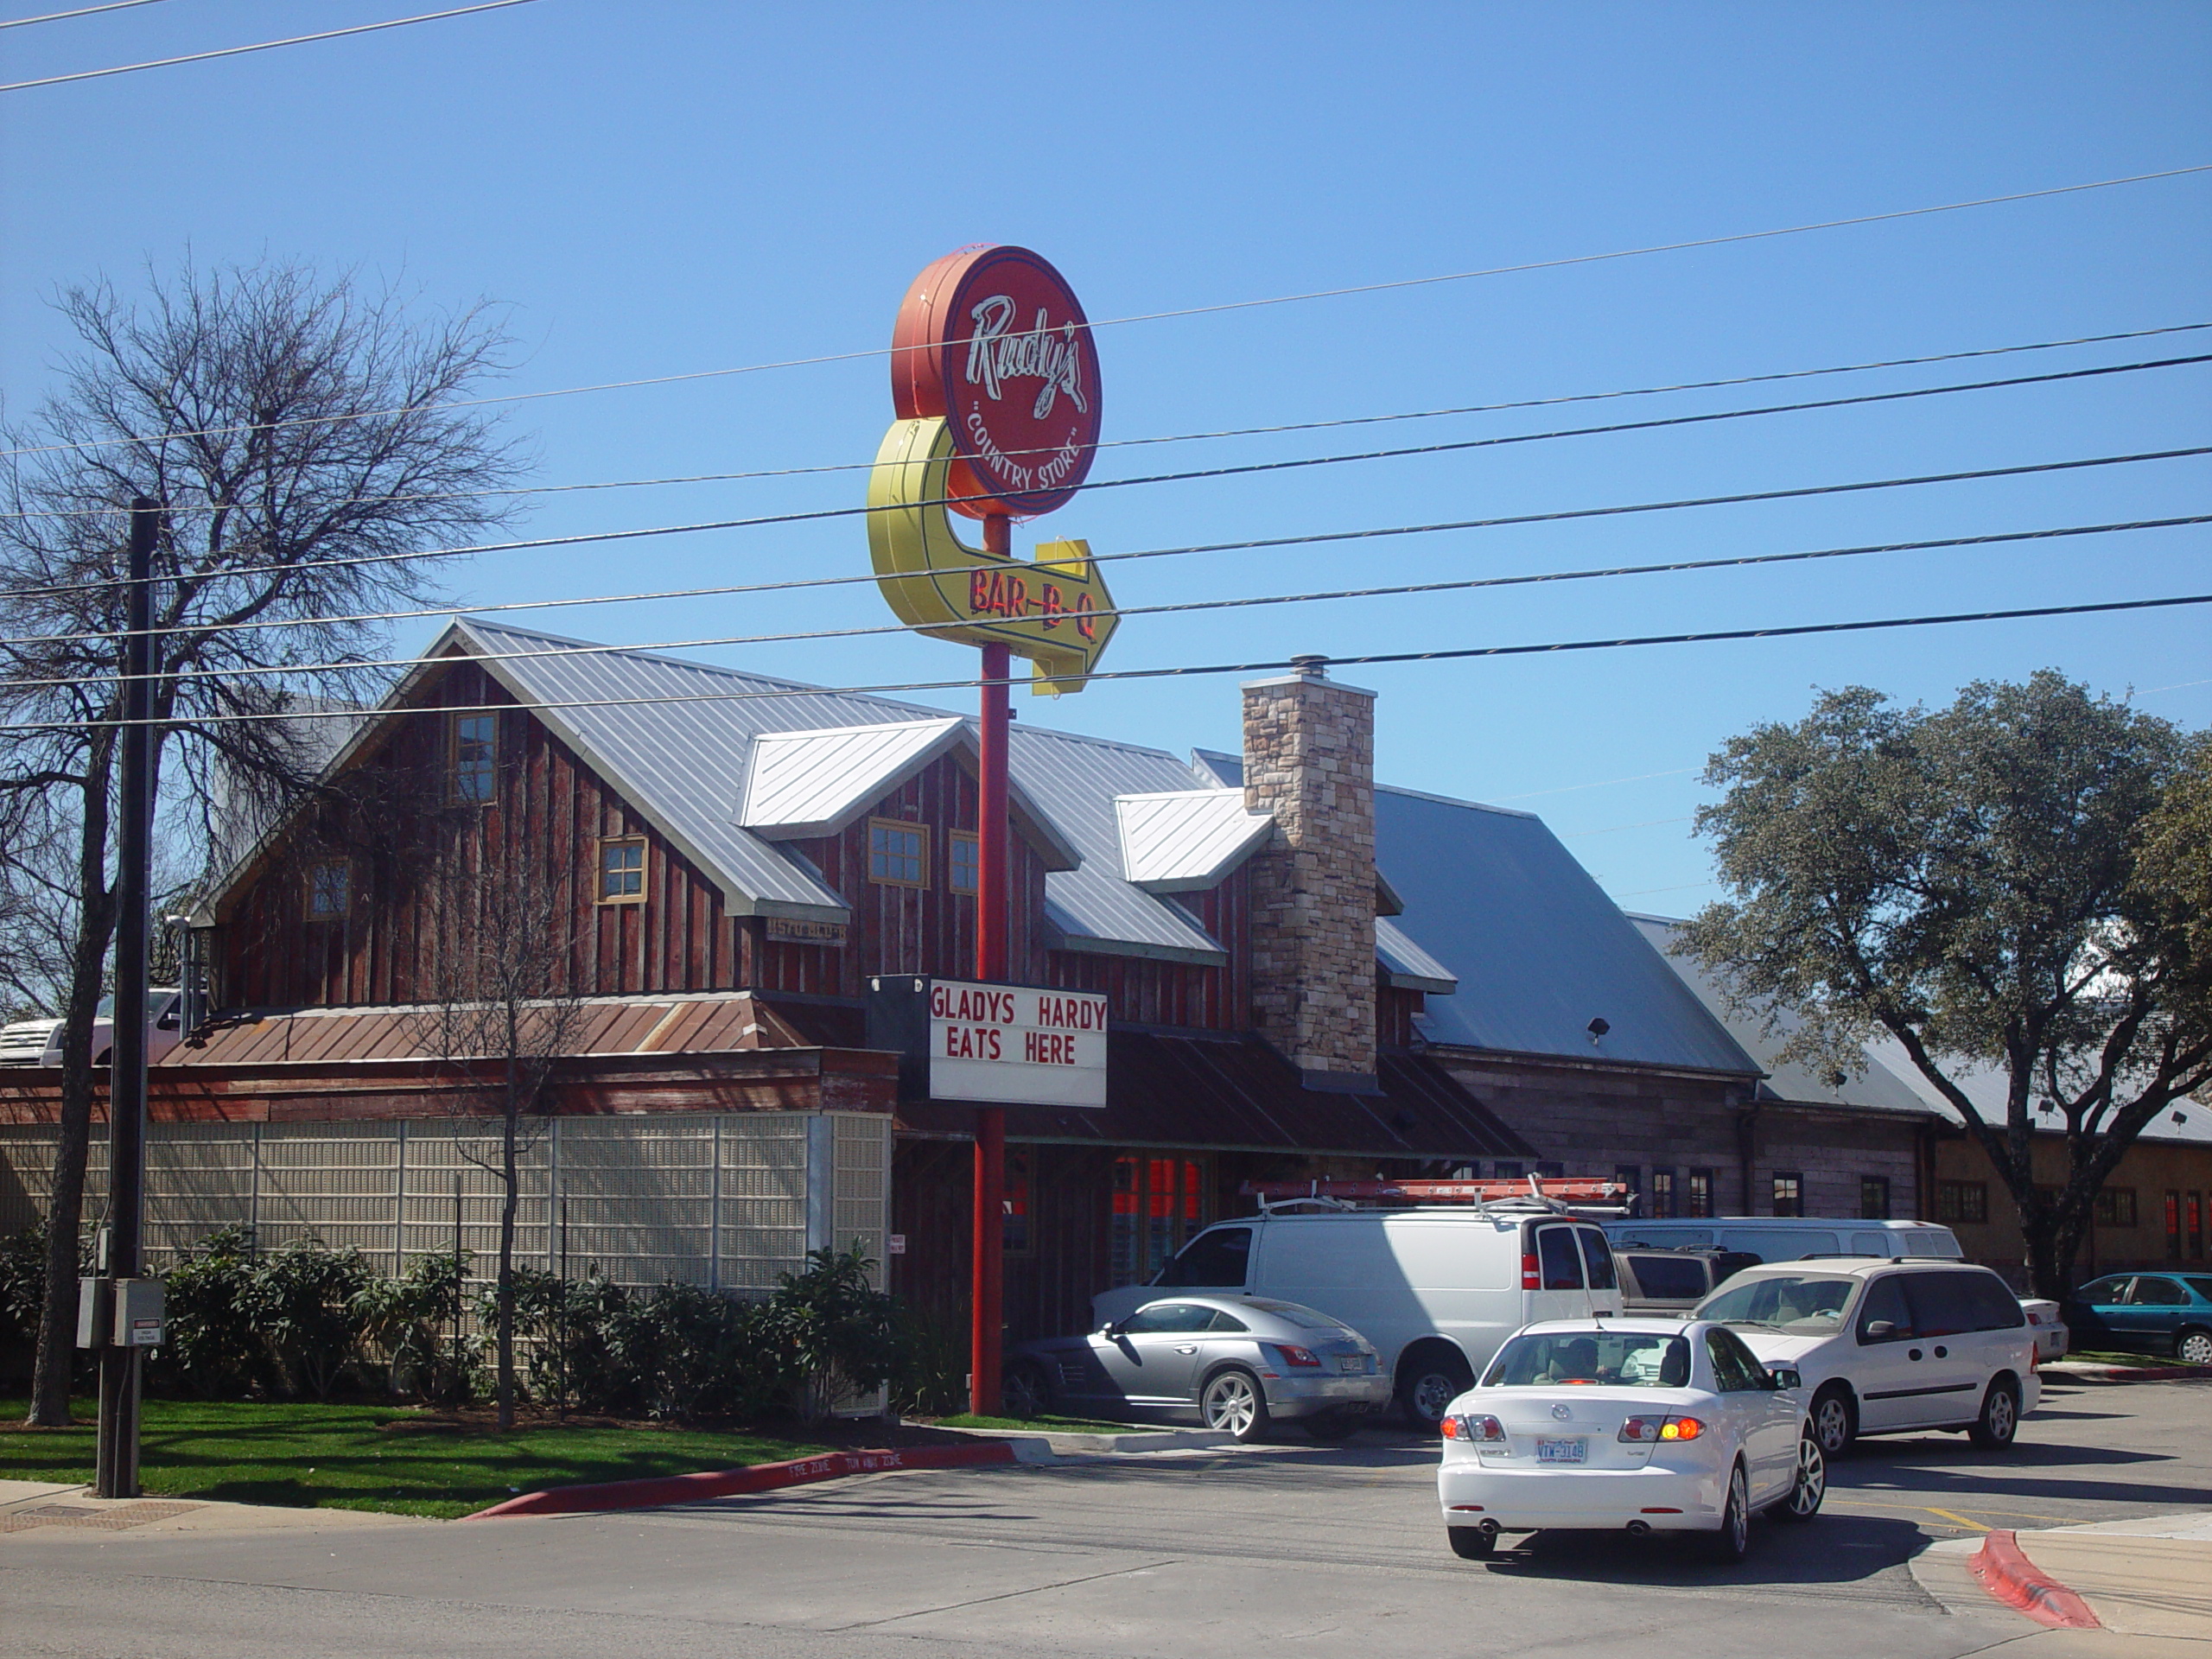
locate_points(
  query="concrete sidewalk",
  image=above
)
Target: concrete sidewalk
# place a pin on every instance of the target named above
(2140, 1588)
(40, 1506)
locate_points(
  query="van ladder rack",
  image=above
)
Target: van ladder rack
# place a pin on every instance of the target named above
(1528, 1193)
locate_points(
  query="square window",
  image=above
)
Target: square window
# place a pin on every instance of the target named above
(897, 854)
(330, 890)
(2116, 1206)
(1873, 1197)
(1962, 1201)
(1788, 1192)
(967, 859)
(622, 870)
(471, 757)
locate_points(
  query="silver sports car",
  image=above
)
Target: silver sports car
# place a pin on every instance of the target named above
(1230, 1362)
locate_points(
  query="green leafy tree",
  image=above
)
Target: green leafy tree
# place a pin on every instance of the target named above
(2004, 885)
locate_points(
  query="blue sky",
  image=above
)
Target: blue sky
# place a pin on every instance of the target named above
(655, 188)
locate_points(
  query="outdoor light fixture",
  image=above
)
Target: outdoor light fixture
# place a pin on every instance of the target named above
(1597, 1028)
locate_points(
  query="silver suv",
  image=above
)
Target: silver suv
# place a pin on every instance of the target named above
(1889, 1347)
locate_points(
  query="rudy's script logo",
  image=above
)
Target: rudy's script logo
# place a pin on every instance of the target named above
(1042, 352)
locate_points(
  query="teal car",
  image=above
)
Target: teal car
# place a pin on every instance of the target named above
(2146, 1313)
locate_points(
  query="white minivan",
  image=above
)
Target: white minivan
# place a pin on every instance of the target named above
(1791, 1238)
(1436, 1291)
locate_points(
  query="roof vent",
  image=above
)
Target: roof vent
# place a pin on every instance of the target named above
(1312, 666)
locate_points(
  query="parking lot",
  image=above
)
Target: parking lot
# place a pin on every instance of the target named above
(1232, 1552)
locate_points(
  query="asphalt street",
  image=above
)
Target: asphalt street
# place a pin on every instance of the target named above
(1231, 1552)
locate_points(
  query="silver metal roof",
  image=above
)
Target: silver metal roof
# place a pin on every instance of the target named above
(802, 784)
(1188, 841)
(676, 736)
(1878, 1088)
(1406, 965)
(1538, 948)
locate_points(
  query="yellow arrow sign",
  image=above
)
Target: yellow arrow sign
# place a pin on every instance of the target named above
(1047, 611)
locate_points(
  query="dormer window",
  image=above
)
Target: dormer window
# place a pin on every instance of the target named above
(471, 757)
(898, 852)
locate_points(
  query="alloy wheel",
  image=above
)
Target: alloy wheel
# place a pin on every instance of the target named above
(1232, 1404)
(1832, 1424)
(1804, 1500)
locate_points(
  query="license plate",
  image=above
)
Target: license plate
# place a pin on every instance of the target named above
(1561, 1451)
(1351, 1363)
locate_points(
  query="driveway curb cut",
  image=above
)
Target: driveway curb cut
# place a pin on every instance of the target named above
(663, 1491)
(2007, 1573)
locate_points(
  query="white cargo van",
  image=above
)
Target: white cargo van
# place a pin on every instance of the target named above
(1437, 1291)
(1791, 1238)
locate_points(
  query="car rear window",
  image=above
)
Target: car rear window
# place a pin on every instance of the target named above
(1609, 1359)
(1803, 1304)
(2202, 1286)
(1562, 1267)
(1298, 1314)
(1678, 1278)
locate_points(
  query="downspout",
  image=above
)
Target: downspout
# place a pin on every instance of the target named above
(1747, 1119)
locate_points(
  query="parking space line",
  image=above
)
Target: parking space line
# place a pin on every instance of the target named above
(1953, 1515)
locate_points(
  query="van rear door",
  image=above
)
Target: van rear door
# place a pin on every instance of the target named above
(1605, 1295)
(1553, 1258)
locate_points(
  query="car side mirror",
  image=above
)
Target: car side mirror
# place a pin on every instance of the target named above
(1112, 1328)
(1784, 1376)
(1878, 1329)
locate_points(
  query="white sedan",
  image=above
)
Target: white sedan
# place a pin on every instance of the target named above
(1648, 1425)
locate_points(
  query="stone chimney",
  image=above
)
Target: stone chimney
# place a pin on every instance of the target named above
(1309, 759)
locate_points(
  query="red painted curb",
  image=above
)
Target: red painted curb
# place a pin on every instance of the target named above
(664, 1490)
(2010, 1576)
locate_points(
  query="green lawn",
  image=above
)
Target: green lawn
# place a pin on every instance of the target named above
(345, 1456)
(1041, 1425)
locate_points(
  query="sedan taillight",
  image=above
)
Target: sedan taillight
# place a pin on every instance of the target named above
(1475, 1428)
(1645, 1430)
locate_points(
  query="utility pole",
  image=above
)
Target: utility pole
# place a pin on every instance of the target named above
(117, 1464)
(993, 850)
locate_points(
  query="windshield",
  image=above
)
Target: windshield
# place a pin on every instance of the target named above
(1805, 1304)
(1611, 1359)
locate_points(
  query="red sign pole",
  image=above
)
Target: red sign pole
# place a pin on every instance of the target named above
(993, 916)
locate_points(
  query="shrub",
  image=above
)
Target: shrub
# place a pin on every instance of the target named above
(214, 1345)
(416, 1320)
(567, 1327)
(688, 1352)
(306, 1303)
(842, 1334)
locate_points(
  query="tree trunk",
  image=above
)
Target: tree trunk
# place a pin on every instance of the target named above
(506, 1291)
(57, 1333)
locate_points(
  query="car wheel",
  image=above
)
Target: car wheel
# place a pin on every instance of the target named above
(2000, 1418)
(1428, 1385)
(1733, 1541)
(1025, 1392)
(1836, 1420)
(1810, 1486)
(1472, 1543)
(1232, 1403)
(2194, 1348)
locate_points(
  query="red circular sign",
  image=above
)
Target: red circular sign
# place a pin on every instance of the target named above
(992, 340)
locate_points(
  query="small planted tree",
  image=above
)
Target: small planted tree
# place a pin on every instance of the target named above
(2014, 884)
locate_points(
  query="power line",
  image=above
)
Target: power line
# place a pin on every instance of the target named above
(814, 635)
(818, 514)
(81, 11)
(1200, 437)
(260, 46)
(1154, 316)
(1186, 671)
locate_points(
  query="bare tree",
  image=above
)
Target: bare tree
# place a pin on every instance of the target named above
(298, 433)
(499, 1005)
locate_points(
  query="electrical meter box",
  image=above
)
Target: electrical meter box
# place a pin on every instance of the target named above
(138, 1312)
(95, 1312)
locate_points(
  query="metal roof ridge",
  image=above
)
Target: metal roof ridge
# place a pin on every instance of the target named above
(1453, 800)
